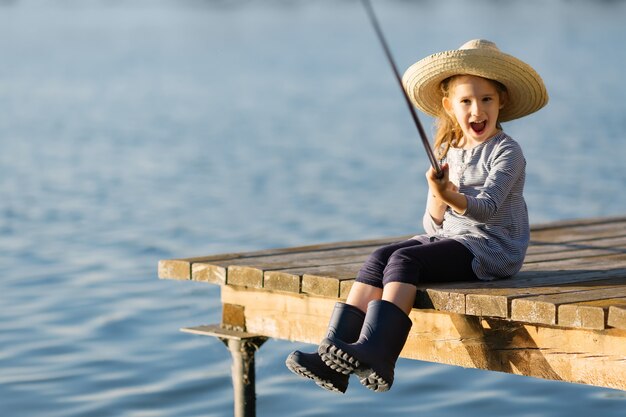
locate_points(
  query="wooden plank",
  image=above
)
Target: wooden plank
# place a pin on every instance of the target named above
(595, 263)
(560, 239)
(326, 282)
(174, 269)
(216, 271)
(604, 231)
(617, 316)
(253, 275)
(322, 286)
(251, 271)
(544, 308)
(575, 355)
(493, 298)
(452, 301)
(537, 246)
(245, 276)
(217, 330)
(314, 280)
(181, 268)
(496, 302)
(213, 273)
(282, 281)
(577, 223)
(589, 314)
(584, 249)
(578, 227)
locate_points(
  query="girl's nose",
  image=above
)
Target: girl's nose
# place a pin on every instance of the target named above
(476, 108)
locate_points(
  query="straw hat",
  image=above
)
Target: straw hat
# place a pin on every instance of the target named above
(526, 91)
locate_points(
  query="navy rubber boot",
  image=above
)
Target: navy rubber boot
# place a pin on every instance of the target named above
(373, 357)
(345, 324)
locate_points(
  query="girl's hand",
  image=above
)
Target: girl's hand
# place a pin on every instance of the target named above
(439, 186)
(445, 192)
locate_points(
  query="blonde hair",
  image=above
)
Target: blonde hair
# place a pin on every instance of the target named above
(448, 132)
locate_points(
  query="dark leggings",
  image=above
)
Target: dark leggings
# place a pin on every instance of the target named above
(417, 261)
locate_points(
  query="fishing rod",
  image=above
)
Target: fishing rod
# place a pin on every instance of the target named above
(418, 124)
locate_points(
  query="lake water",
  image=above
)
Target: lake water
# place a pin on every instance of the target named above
(133, 131)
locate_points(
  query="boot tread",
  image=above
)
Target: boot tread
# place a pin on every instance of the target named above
(300, 370)
(338, 359)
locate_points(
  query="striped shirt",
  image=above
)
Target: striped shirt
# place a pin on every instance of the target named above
(495, 225)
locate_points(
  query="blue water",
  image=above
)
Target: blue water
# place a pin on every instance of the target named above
(133, 131)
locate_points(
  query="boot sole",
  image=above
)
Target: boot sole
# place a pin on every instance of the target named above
(304, 372)
(345, 363)
(337, 359)
(371, 380)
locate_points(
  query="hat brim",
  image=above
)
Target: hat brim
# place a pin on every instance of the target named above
(526, 90)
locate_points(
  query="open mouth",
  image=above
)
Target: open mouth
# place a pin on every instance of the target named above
(479, 126)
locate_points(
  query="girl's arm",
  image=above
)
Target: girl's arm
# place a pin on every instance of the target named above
(435, 206)
(435, 209)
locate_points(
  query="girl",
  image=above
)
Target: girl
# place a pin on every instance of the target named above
(476, 218)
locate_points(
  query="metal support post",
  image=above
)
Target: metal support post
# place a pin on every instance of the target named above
(242, 347)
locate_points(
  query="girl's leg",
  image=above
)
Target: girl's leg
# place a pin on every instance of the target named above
(440, 261)
(373, 268)
(401, 294)
(361, 294)
(346, 321)
(369, 281)
(386, 327)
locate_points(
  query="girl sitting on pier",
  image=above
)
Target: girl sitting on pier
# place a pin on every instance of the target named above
(476, 219)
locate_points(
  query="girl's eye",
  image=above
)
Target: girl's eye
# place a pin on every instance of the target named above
(487, 99)
(465, 101)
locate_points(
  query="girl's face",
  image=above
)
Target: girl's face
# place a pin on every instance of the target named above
(475, 104)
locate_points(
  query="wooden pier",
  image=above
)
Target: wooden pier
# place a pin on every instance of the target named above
(563, 317)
